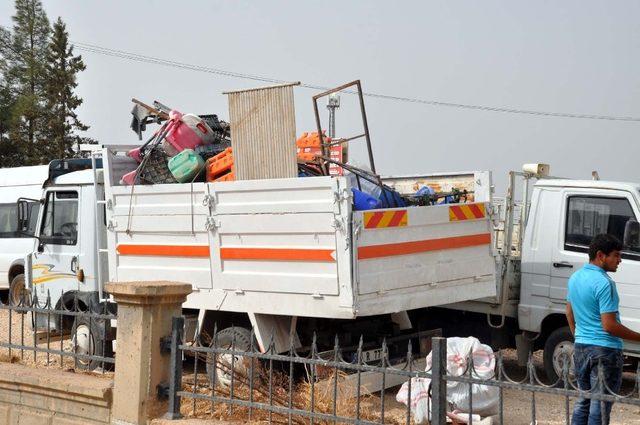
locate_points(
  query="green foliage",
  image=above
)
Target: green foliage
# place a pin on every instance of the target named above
(61, 101)
(38, 78)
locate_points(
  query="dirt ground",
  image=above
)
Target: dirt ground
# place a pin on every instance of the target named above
(550, 409)
(21, 333)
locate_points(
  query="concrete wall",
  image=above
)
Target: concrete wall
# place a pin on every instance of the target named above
(52, 397)
(34, 396)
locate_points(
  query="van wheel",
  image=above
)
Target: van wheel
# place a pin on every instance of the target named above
(18, 293)
(88, 338)
(557, 349)
(240, 338)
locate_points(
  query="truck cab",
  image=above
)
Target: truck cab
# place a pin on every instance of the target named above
(64, 270)
(64, 258)
(564, 216)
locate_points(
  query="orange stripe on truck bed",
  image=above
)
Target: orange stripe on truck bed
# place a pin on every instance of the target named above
(165, 250)
(404, 248)
(277, 254)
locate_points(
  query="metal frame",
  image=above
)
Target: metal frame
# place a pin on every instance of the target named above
(325, 146)
(286, 410)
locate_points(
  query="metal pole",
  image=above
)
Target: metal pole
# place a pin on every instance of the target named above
(175, 366)
(438, 382)
(332, 105)
(325, 149)
(366, 126)
(524, 214)
(98, 228)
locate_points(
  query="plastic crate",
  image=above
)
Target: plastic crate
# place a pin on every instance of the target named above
(156, 170)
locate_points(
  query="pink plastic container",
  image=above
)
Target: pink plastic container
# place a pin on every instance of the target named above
(186, 132)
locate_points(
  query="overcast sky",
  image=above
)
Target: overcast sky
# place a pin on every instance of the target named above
(570, 56)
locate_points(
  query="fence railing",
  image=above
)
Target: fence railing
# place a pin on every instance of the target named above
(322, 387)
(72, 331)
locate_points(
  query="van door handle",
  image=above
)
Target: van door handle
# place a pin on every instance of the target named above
(563, 264)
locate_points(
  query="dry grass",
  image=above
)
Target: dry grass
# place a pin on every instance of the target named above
(300, 398)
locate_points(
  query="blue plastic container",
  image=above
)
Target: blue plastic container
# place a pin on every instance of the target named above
(363, 201)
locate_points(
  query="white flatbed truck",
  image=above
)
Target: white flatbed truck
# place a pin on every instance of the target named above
(292, 256)
(280, 255)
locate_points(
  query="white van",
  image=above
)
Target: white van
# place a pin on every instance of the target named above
(19, 183)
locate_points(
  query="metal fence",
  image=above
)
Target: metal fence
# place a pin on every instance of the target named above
(226, 382)
(72, 331)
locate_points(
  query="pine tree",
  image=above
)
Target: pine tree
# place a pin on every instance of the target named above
(9, 155)
(25, 54)
(62, 69)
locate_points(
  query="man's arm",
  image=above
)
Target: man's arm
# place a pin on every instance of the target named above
(570, 319)
(611, 325)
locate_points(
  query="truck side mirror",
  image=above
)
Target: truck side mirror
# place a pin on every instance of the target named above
(632, 234)
(23, 215)
(25, 210)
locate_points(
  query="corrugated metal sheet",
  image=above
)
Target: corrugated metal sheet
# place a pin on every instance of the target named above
(263, 132)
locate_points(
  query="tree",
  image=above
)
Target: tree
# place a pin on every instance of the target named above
(61, 101)
(9, 155)
(24, 53)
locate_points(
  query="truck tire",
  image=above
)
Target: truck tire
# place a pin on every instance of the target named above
(88, 337)
(18, 293)
(559, 346)
(225, 338)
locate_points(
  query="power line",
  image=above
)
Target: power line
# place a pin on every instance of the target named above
(92, 48)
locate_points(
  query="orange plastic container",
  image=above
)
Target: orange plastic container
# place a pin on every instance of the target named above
(308, 156)
(220, 166)
(311, 140)
(229, 177)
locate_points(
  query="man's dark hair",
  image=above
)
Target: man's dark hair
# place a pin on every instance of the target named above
(605, 243)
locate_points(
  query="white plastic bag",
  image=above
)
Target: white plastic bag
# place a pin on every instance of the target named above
(420, 402)
(484, 397)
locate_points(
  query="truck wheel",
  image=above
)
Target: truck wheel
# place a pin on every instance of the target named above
(88, 338)
(557, 349)
(241, 365)
(18, 293)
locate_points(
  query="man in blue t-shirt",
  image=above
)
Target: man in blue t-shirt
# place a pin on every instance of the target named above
(594, 319)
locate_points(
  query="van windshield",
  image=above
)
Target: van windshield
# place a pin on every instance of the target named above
(8, 220)
(10, 227)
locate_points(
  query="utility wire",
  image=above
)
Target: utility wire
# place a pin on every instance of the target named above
(92, 48)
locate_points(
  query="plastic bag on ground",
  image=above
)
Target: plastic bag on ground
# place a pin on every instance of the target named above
(420, 402)
(484, 397)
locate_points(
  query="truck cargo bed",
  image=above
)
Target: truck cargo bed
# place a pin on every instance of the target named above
(295, 247)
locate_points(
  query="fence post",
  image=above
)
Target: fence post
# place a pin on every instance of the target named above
(175, 365)
(145, 313)
(438, 382)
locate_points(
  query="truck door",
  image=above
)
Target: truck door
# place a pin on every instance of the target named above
(56, 262)
(587, 215)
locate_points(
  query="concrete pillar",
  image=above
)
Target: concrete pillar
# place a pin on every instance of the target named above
(145, 311)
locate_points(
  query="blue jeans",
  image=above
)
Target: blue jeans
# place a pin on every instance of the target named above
(586, 359)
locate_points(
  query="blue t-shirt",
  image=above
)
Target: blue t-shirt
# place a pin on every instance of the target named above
(591, 293)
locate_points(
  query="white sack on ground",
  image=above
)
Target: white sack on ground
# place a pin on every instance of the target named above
(484, 397)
